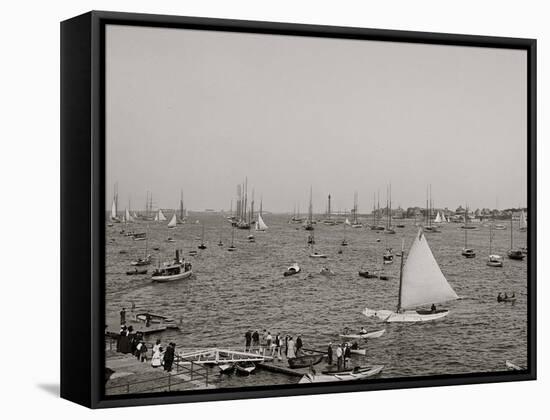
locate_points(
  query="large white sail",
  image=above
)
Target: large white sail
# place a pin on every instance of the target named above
(438, 218)
(522, 221)
(260, 225)
(347, 222)
(161, 217)
(113, 210)
(423, 282)
(173, 221)
(129, 218)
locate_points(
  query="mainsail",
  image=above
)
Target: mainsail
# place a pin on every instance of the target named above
(423, 283)
(260, 224)
(161, 217)
(347, 222)
(129, 218)
(438, 218)
(113, 210)
(173, 221)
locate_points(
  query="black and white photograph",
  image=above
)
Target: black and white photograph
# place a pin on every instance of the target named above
(285, 210)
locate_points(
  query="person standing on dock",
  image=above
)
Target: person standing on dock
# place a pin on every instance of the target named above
(268, 342)
(290, 349)
(339, 355)
(157, 355)
(247, 340)
(299, 344)
(329, 353)
(347, 354)
(123, 316)
(169, 357)
(255, 341)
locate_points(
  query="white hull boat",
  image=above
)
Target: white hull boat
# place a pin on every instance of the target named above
(421, 283)
(344, 376)
(165, 279)
(374, 334)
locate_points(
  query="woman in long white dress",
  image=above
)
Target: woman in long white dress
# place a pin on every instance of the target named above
(291, 354)
(156, 361)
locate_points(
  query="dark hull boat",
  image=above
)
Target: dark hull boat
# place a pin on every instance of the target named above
(373, 275)
(136, 272)
(468, 253)
(305, 361)
(516, 255)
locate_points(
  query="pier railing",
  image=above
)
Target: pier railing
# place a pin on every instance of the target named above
(188, 373)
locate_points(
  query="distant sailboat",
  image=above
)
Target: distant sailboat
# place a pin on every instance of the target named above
(356, 224)
(202, 245)
(128, 216)
(467, 252)
(308, 224)
(438, 218)
(494, 259)
(514, 254)
(347, 222)
(344, 241)
(114, 207)
(260, 224)
(160, 217)
(232, 246)
(389, 229)
(421, 283)
(182, 211)
(522, 222)
(173, 221)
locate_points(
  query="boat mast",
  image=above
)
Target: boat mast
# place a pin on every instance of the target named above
(401, 275)
(466, 227)
(511, 230)
(490, 239)
(181, 205)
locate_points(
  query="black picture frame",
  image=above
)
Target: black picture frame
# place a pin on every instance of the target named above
(83, 204)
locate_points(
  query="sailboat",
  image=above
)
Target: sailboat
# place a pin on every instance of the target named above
(356, 224)
(202, 245)
(494, 260)
(421, 283)
(173, 221)
(347, 222)
(232, 246)
(514, 254)
(344, 241)
(438, 218)
(183, 212)
(143, 261)
(160, 217)
(308, 224)
(467, 252)
(114, 207)
(522, 222)
(260, 224)
(389, 229)
(429, 228)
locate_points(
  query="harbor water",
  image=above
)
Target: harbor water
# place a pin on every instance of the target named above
(231, 292)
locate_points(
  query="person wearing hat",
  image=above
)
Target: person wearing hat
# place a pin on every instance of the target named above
(329, 352)
(299, 344)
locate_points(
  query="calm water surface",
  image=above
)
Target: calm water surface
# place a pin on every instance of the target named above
(231, 292)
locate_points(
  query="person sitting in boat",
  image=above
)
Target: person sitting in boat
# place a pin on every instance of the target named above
(363, 330)
(433, 308)
(354, 346)
(499, 297)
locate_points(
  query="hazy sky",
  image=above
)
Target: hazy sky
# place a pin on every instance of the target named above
(199, 111)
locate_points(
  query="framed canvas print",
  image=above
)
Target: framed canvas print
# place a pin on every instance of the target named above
(254, 209)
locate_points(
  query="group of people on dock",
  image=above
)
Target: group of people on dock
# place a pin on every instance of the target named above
(274, 345)
(342, 353)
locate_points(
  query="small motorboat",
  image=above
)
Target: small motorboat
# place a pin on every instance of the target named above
(364, 336)
(468, 253)
(495, 261)
(373, 275)
(293, 269)
(516, 254)
(142, 261)
(227, 368)
(317, 255)
(136, 272)
(245, 368)
(305, 361)
(354, 374)
(174, 270)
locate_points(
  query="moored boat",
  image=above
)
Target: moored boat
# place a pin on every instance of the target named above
(355, 374)
(293, 269)
(172, 271)
(245, 368)
(305, 361)
(136, 272)
(364, 336)
(227, 368)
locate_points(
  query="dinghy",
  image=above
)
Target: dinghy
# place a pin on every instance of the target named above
(317, 255)
(245, 368)
(421, 283)
(293, 269)
(374, 334)
(227, 368)
(325, 271)
(305, 361)
(355, 374)
(494, 260)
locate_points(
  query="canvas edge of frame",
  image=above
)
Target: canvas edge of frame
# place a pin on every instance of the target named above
(94, 302)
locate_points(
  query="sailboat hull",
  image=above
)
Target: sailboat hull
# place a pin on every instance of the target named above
(406, 316)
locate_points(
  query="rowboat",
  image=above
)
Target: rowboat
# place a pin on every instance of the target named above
(245, 368)
(227, 368)
(293, 269)
(374, 334)
(356, 374)
(305, 361)
(317, 255)
(136, 272)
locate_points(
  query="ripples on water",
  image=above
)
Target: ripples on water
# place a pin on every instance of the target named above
(235, 291)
